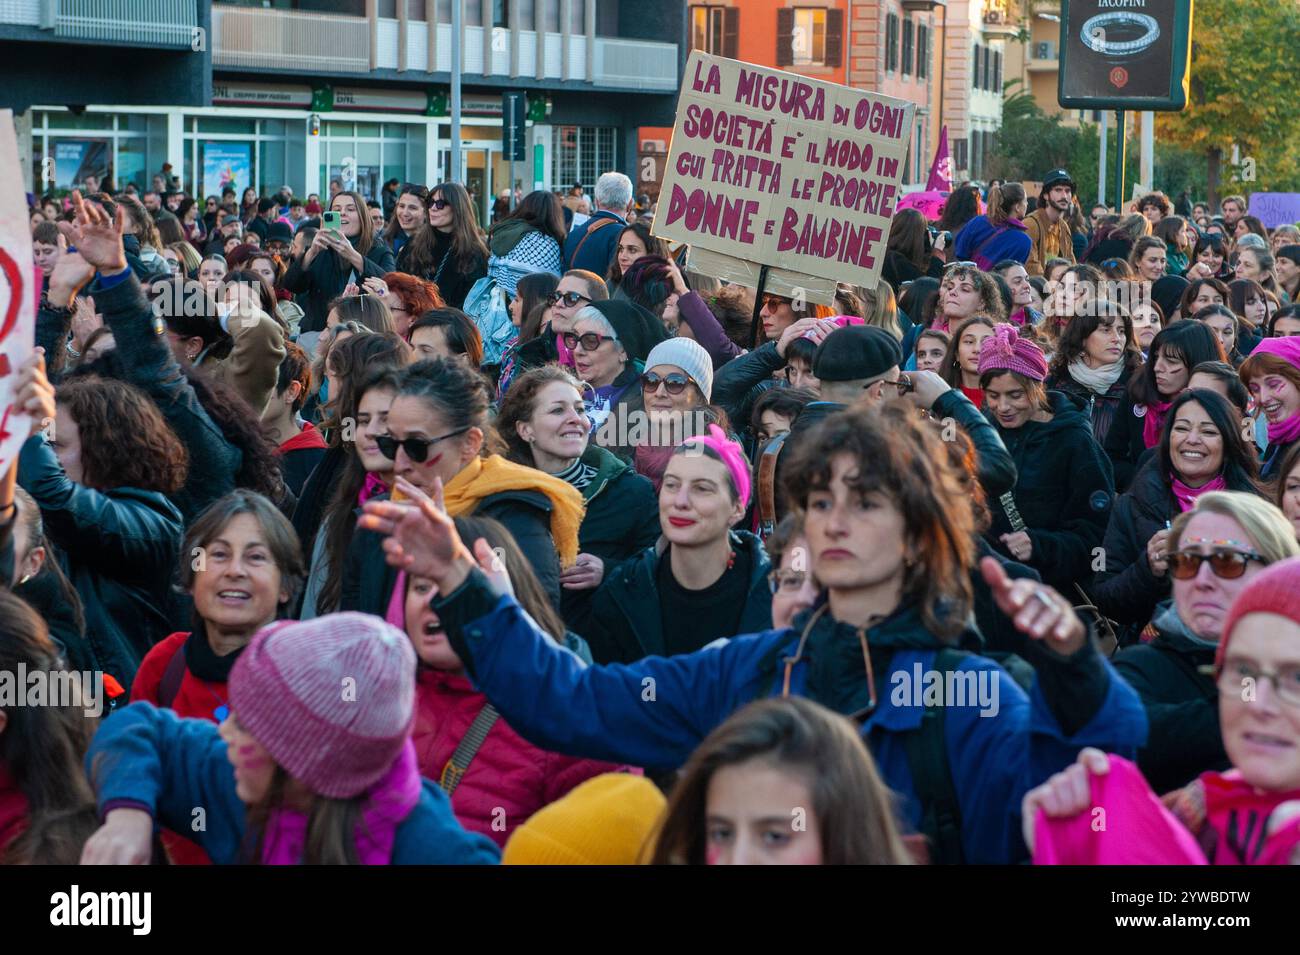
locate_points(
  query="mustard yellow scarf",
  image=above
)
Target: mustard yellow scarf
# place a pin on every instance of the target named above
(484, 477)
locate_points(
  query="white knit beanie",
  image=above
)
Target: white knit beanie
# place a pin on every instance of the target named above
(688, 355)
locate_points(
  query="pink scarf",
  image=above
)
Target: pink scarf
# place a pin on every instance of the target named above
(1155, 422)
(373, 487)
(388, 802)
(1284, 432)
(1186, 496)
(566, 356)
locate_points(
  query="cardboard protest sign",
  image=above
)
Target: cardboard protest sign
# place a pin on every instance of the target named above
(19, 289)
(1275, 208)
(780, 170)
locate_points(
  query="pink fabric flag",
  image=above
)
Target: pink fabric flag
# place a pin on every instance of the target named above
(941, 169)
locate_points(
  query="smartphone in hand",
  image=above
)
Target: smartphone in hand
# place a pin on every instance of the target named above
(330, 222)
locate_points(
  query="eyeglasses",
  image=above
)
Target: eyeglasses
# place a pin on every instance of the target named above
(417, 449)
(674, 382)
(439, 204)
(1286, 683)
(568, 299)
(786, 581)
(589, 342)
(1226, 564)
(773, 302)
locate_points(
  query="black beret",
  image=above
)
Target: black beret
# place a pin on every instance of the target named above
(856, 352)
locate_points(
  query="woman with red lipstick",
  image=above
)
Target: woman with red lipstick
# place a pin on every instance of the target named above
(890, 538)
(1056, 514)
(1140, 418)
(439, 436)
(505, 779)
(1201, 450)
(1213, 551)
(702, 580)
(246, 574)
(1272, 373)
(1096, 357)
(544, 424)
(1250, 710)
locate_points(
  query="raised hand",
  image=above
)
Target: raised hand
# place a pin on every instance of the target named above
(69, 276)
(99, 239)
(1066, 794)
(84, 322)
(421, 538)
(33, 393)
(1036, 609)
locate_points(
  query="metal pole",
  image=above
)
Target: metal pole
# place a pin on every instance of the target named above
(758, 307)
(1101, 163)
(456, 40)
(1148, 150)
(511, 121)
(1120, 149)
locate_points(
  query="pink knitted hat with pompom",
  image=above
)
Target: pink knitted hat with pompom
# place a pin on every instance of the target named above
(1005, 350)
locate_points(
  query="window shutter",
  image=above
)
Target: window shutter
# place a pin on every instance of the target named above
(785, 37)
(730, 31)
(834, 37)
(922, 51)
(908, 28)
(997, 72)
(976, 75)
(988, 68)
(891, 43)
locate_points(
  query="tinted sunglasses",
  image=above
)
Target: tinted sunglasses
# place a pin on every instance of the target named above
(675, 383)
(589, 342)
(417, 449)
(773, 302)
(568, 299)
(1226, 564)
(439, 204)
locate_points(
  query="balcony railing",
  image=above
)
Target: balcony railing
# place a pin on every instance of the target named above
(171, 24)
(287, 40)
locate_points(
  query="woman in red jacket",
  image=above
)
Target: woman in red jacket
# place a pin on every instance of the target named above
(497, 784)
(242, 564)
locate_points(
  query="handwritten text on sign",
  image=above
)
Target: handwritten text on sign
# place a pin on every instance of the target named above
(782, 170)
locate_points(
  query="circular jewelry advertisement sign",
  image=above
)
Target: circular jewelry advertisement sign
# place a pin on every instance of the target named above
(1125, 54)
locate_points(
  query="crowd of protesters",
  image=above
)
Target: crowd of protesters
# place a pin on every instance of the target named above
(388, 538)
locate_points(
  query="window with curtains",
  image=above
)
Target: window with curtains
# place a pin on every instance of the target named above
(908, 32)
(809, 39)
(891, 43)
(715, 29)
(922, 51)
(809, 36)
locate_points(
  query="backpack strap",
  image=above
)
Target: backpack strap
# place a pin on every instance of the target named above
(173, 675)
(593, 228)
(467, 748)
(927, 757)
(767, 486)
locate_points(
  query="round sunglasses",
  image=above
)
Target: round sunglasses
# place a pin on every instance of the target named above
(589, 342)
(1226, 564)
(674, 382)
(417, 449)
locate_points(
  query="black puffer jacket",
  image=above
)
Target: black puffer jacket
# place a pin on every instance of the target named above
(740, 382)
(1125, 589)
(626, 622)
(327, 275)
(119, 549)
(368, 580)
(1063, 492)
(1182, 704)
(1124, 443)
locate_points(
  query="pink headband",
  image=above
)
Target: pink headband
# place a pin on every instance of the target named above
(843, 321)
(1284, 348)
(1005, 350)
(733, 456)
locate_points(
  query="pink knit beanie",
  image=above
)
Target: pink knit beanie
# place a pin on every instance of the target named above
(1283, 348)
(1276, 589)
(331, 699)
(1005, 350)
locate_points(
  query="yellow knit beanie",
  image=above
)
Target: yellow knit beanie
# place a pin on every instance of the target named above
(607, 820)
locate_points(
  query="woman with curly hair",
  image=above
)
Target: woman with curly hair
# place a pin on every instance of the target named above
(103, 479)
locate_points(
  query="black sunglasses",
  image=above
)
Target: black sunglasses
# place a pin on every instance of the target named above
(569, 299)
(1226, 564)
(439, 204)
(417, 449)
(589, 342)
(675, 383)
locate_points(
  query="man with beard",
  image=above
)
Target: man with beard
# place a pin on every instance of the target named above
(1048, 225)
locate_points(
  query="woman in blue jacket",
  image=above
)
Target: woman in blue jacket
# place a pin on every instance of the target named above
(295, 773)
(891, 540)
(999, 234)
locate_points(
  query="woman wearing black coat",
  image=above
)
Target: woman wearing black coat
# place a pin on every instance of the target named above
(1055, 517)
(335, 259)
(544, 425)
(1140, 417)
(1201, 449)
(1095, 359)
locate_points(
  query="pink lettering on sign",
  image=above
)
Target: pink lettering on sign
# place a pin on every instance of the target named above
(713, 214)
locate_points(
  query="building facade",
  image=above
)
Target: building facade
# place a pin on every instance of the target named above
(299, 92)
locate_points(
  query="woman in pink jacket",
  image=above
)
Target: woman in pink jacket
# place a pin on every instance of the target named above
(495, 778)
